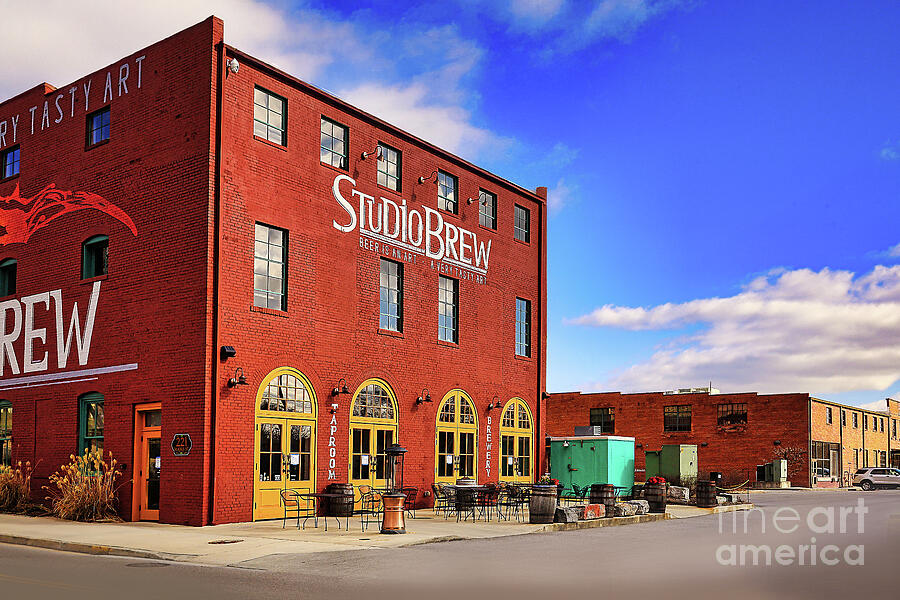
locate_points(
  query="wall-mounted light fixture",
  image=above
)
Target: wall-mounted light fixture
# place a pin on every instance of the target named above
(494, 403)
(340, 389)
(545, 395)
(423, 397)
(638, 445)
(376, 152)
(776, 443)
(704, 444)
(433, 174)
(238, 378)
(227, 352)
(233, 65)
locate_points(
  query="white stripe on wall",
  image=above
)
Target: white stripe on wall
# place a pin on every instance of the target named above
(44, 379)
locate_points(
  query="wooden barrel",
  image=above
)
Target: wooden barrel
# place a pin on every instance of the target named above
(542, 505)
(343, 506)
(706, 494)
(605, 494)
(655, 495)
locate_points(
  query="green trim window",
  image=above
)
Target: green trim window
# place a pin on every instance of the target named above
(677, 418)
(523, 327)
(269, 116)
(9, 163)
(90, 422)
(447, 192)
(95, 257)
(98, 127)
(269, 262)
(333, 146)
(5, 433)
(487, 209)
(389, 167)
(8, 277)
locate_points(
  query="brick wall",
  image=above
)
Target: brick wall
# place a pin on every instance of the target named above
(732, 451)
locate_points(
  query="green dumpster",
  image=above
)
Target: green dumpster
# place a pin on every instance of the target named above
(585, 460)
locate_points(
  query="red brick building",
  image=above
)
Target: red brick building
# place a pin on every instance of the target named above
(190, 220)
(736, 432)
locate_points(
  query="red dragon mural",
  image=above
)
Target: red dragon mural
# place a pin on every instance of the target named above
(21, 217)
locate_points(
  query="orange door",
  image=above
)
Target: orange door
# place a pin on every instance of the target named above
(147, 462)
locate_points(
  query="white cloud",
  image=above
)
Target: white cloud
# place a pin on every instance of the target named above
(560, 195)
(534, 13)
(799, 330)
(894, 251)
(879, 405)
(354, 55)
(890, 151)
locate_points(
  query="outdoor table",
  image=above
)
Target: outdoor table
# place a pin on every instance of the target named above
(317, 496)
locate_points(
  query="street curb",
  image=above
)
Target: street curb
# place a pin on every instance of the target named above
(94, 549)
(604, 522)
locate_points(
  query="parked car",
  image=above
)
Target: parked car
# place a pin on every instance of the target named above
(874, 477)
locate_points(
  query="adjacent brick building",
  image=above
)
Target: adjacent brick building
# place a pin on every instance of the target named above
(736, 432)
(190, 220)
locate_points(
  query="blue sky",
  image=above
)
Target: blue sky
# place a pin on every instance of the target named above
(724, 175)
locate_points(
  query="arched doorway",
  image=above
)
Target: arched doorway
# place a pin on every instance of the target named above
(373, 427)
(285, 440)
(516, 442)
(456, 439)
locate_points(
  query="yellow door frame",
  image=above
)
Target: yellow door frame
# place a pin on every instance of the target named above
(455, 428)
(264, 505)
(517, 432)
(373, 425)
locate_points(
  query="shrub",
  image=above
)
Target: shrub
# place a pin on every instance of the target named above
(85, 489)
(15, 488)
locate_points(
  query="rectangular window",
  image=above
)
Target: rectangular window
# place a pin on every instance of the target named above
(821, 459)
(894, 434)
(269, 116)
(731, 414)
(866, 422)
(90, 428)
(523, 327)
(843, 418)
(448, 309)
(522, 224)
(269, 267)
(5, 433)
(95, 257)
(391, 295)
(389, 167)
(677, 418)
(828, 415)
(447, 192)
(334, 145)
(605, 419)
(98, 127)
(8, 277)
(487, 209)
(856, 420)
(9, 163)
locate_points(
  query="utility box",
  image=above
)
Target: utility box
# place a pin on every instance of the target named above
(586, 460)
(779, 471)
(770, 472)
(675, 462)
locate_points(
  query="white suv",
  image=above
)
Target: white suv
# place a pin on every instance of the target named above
(871, 478)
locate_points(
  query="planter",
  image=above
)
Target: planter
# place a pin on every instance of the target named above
(706, 494)
(542, 505)
(604, 493)
(655, 495)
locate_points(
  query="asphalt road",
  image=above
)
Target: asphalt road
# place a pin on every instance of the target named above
(672, 559)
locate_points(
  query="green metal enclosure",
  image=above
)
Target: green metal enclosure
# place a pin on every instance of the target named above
(585, 460)
(675, 462)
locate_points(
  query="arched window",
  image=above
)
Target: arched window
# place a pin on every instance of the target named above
(456, 448)
(5, 433)
(373, 427)
(516, 442)
(90, 422)
(95, 257)
(8, 277)
(286, 393)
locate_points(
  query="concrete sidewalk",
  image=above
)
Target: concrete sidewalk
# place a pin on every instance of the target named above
(234, 543)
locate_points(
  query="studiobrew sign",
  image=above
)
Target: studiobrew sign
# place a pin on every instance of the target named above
(408, 234)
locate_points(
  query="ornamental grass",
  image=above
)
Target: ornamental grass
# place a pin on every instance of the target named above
(85, 489)
(15, 488)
